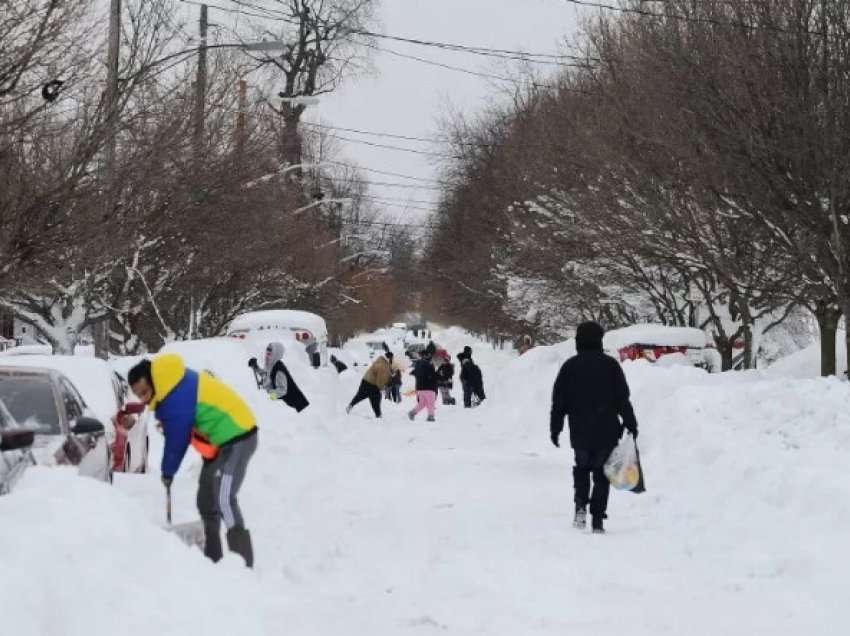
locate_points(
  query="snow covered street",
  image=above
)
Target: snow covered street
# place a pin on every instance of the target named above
(464, 526)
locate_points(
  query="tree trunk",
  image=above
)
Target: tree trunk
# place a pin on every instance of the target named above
(726, 349)
(827, 316)
(100, 330)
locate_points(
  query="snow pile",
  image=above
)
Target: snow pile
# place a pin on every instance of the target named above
(462, 526)
(805, 363)
(80, 558)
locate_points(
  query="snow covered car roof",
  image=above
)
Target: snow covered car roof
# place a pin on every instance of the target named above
(657, 335)
(92, 377)
(292, 318)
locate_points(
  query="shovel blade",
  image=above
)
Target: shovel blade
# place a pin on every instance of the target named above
(192, 533)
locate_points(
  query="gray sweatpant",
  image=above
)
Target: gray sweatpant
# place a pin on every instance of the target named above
(218, 486)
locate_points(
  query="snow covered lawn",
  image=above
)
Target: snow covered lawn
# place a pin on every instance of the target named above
(464, 526)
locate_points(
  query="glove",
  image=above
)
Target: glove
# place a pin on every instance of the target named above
(273, 395)
(252, 363)
(554, 436)
(166, 481)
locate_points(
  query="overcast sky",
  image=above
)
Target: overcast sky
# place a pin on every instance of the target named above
(406, 97)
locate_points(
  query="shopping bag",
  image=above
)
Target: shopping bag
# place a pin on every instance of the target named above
(623, 467)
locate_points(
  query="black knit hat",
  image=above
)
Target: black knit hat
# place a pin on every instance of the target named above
(589, 336)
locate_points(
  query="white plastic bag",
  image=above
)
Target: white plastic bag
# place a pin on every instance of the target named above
(623, 466)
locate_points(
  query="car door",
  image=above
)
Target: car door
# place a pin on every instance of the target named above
(90, 452)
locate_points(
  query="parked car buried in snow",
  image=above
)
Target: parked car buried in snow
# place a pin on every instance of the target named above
(307, 328)
(73, 403)
(653, 342)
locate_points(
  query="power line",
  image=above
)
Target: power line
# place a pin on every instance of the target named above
(395, 136)
(536, 58)
(693, 19)
(426, 153)
(388, 173)
(384, 184)
(450, 67)
(400, 200)
(372, 133)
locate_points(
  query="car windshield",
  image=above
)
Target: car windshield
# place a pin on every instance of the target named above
(30, 401)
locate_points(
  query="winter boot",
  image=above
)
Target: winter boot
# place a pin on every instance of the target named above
(431, 418)
(580, 520)
(596, 524)
(411, 415)
(212, 542)
(239, 541)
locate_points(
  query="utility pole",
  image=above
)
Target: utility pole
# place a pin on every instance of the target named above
(200, 89)
(101, 327)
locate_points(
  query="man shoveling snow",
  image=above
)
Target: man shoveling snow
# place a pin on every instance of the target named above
(196, 408)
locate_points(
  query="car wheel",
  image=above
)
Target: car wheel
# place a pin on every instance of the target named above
(128, 463)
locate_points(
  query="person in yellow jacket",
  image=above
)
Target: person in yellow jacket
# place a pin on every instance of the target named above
(377, 376)
(199, 410)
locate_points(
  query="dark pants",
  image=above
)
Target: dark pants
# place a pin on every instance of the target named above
(591, 461)
(396, 393)
(370, 391)
(218, 486)
(468, 391)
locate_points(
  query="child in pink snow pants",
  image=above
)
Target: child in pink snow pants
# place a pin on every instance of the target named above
(426, 384)
(426, 400)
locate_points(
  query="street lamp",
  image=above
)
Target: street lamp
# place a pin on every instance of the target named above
(298, 100)
(284, 169)
(320, 202)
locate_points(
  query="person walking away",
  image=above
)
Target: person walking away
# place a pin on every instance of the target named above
(426, 385)
(377, 376)
(445, 377)
(592, 392)
(471, 379)
(195, 408)
(275, 379)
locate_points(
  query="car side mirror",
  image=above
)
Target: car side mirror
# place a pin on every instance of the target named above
(87, 426)
(16, 439)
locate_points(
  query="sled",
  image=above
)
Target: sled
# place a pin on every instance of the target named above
(190, 533)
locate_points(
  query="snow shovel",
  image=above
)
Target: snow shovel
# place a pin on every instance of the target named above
(191, 533)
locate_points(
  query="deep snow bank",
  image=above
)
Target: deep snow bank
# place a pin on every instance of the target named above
(79, 558)
(805, 363)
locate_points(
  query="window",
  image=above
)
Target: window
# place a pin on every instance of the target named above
(72, 400)
(30, 400)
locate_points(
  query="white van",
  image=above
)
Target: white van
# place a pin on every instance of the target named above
(307, 328)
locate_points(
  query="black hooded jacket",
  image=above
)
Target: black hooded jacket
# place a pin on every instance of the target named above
(294, 397)
(425, 374)
(591, 390)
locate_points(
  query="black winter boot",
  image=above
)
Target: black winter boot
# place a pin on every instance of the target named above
(212, 542)
(596, 524)
(239, 541)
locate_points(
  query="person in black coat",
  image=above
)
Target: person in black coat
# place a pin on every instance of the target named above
(426, 384)
(471, 379)
(275, 379)
(591, 390)
(445, 377)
